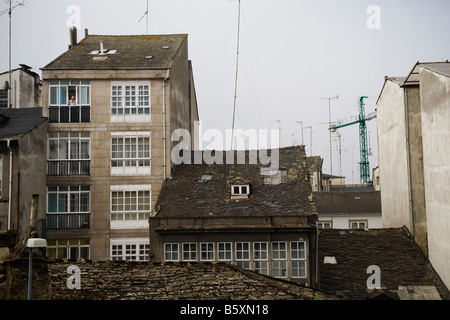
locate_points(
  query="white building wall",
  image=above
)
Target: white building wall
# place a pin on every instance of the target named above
(392, 157)
(435, 104)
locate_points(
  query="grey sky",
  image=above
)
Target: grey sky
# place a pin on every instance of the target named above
(293, 53)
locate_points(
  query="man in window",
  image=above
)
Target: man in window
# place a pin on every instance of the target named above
(72, 101)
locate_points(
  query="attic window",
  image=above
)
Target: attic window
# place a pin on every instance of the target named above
(240, 190)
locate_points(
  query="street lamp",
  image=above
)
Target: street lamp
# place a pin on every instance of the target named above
(33, 243)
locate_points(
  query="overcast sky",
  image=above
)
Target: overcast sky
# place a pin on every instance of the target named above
(293, 54)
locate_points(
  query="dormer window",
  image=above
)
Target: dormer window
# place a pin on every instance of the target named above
(240, 188)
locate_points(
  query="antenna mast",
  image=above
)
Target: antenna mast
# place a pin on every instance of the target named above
(236, 79)
(145, 14)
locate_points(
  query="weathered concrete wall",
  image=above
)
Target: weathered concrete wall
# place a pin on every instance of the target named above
(392, 157)
(26, 89)
(435, 103)
(33, 156)
(416, 166)
(5, 198)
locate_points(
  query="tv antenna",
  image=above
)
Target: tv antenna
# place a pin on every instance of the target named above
(145, 14)
(237, 67)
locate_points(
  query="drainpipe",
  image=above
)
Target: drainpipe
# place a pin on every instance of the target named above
(164, 121)
(408, 161)
(10, 184)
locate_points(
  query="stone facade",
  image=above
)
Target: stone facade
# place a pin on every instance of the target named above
(136, 61)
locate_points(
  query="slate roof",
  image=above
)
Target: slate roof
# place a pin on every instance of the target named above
(442, 68)
(314, 163)
(404, 269)
(125, 280)
(16, 122)
(132, 52)
(186, 194)
(348, 202)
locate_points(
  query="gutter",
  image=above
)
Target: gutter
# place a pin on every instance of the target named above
(408, 160)
(164, 120)
(10, 183)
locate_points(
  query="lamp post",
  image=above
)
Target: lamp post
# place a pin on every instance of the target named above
(33, 243)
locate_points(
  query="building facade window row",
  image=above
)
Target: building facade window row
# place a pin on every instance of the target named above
(70, 101)
(130, 249)
(279, 259)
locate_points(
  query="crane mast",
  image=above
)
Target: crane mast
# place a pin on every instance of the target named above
(364, 168)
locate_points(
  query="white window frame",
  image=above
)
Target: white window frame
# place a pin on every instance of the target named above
(78, 84)
(261, 257)
(189, 248)
(60, 190)
(321, 224)
(240, 187)
(173, 250)
(242, 255)
(298, 259)
(279, 259)
(140, 214)
(130, 105)
(66, 247)
(142, 164)
(207, 252)
(225, 251)
(358, 222)
(131, 249)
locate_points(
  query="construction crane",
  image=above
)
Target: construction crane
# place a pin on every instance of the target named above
(364, 169)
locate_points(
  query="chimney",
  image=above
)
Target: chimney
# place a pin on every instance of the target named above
(73, 36)
(101, 47)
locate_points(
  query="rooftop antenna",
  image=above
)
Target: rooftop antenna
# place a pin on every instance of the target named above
(145, 14)
(11, 7)
(237, 67)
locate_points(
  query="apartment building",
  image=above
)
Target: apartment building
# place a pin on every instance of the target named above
(231, 213)
(112, 103)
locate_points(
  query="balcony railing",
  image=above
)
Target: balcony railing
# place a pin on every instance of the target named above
(68, 167)
(69, 114)
(68, 221)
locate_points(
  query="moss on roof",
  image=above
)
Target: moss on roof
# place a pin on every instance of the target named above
(123, 52)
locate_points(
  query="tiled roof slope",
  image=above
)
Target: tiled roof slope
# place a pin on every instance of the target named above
(174, 281)
(187, 194)
(133, 52)
(20, 121)
(401, 262)
(346, 202)
(125, 280)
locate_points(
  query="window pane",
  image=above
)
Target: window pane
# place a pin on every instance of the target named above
(53, 95)
(62, 202)
(52, 202)
(63, 95)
